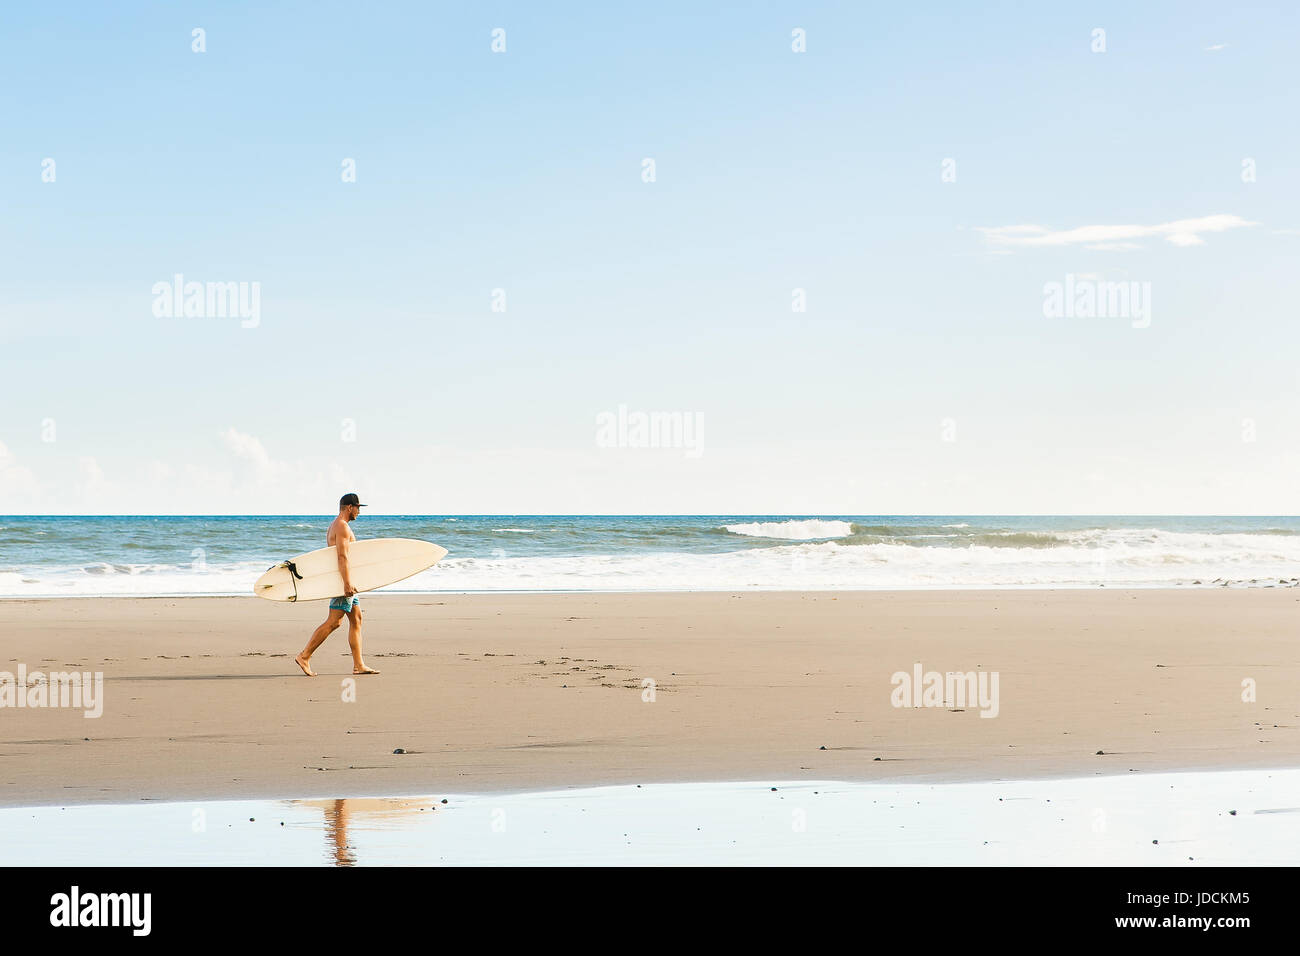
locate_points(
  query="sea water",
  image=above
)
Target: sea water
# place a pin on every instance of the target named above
(43, 556)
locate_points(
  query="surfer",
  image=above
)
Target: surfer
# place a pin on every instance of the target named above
(341, 537)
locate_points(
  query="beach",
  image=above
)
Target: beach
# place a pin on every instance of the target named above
(527, 692)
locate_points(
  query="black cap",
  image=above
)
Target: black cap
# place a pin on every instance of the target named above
(350, 499)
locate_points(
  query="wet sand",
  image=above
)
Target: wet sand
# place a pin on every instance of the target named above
(1217, 818)
(484, 693)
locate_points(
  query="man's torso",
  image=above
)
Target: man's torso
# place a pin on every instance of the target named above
(339, 531)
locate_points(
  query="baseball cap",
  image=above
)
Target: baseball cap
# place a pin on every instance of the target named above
(350, 499)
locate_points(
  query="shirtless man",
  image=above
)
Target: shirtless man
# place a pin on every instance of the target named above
(341, 536)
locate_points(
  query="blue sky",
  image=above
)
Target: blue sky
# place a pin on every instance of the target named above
(522, 170)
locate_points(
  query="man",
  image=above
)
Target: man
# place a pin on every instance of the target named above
(341, 537)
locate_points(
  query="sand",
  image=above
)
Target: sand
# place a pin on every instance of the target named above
(535, 691)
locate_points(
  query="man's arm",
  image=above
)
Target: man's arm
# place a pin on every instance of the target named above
(344, 545)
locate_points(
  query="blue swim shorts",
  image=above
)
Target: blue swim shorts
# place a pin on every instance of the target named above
(344, 604)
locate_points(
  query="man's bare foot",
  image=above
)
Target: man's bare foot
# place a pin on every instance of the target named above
(303, 664)
(363, 669)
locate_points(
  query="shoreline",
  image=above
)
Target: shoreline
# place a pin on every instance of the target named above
(920, 588)
(546, 791)
(202, 700)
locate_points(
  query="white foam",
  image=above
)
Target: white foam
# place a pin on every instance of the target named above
(156, 580)
(793, 530)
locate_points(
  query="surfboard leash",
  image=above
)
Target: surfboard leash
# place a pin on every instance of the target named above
(293, 569)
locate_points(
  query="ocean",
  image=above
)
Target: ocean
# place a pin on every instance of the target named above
(43, 556)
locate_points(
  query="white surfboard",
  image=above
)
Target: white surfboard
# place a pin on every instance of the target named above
(372, 563)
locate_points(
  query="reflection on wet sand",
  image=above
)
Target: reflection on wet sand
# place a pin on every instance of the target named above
(1183, 819)
(361, 813)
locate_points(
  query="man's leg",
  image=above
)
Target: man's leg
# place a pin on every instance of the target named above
(317, 638)
(354, 642)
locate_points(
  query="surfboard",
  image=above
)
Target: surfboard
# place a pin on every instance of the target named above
(372, 562)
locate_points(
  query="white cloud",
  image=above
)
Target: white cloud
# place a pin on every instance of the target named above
(16, 482)
(1215, 48)
(250, 449)
(1181, 232)
(90, 472)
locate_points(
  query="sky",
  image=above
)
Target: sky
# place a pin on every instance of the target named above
(838, 276)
